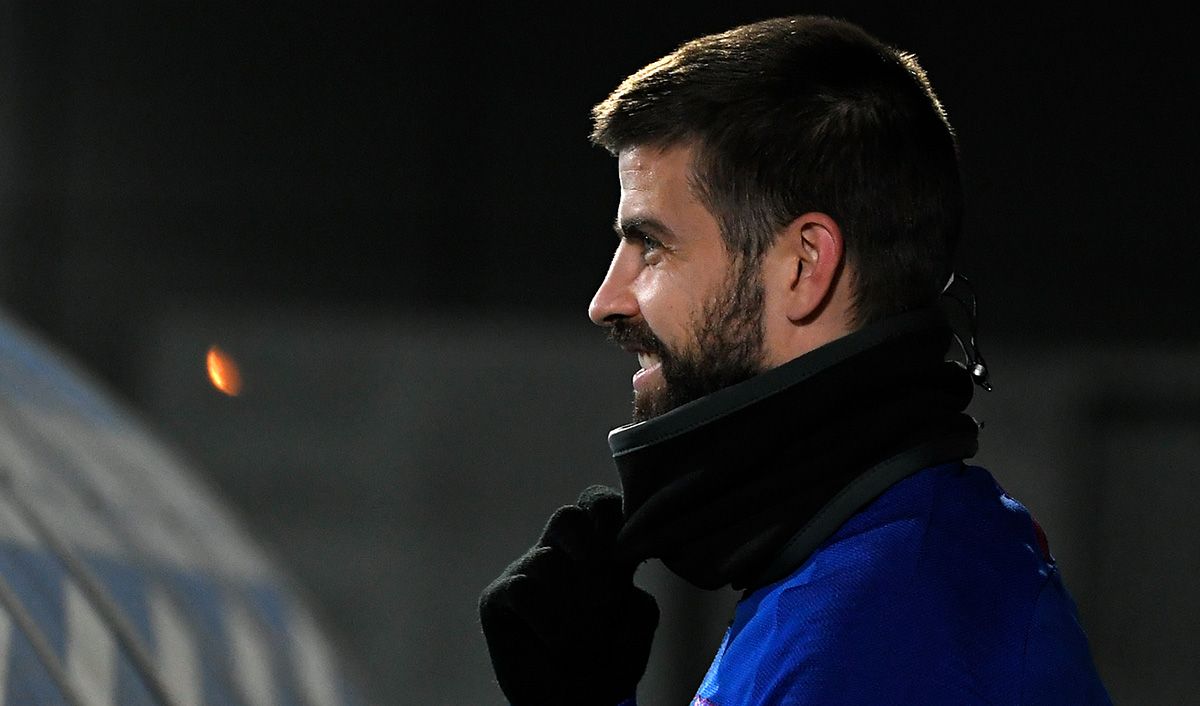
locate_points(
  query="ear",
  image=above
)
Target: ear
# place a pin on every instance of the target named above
(809, 261)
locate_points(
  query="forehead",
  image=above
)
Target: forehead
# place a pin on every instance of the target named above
(651, 168)
(658, 196)
(656, 186)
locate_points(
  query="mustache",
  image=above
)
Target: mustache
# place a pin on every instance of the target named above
(635, 334)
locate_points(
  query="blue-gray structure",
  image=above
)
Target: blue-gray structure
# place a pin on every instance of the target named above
(123, 580)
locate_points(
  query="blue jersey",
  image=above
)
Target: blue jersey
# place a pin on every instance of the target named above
(941, 591)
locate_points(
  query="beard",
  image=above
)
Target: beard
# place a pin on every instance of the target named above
(726, 346)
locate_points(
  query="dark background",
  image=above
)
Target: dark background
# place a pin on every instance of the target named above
(392, 214)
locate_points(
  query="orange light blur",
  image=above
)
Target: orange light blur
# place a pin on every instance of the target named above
(223, 372)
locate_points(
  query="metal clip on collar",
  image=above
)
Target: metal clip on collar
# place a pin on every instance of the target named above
(975, 363)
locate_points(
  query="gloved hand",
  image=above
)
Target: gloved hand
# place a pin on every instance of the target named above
(564, 623)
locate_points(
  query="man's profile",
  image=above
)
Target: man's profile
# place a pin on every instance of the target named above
(790, 207)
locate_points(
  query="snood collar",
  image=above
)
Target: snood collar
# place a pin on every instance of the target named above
(740, 486)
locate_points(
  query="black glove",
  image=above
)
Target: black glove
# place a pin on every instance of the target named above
(564, 623)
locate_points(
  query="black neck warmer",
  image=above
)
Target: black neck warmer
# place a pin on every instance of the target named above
(740, 486)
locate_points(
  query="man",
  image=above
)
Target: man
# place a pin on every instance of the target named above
(790, 203)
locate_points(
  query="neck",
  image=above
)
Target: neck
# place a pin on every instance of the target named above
(718, 487)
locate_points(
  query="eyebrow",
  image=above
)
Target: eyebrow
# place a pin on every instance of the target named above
(637, 227)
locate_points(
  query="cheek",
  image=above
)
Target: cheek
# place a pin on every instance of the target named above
(668, 305)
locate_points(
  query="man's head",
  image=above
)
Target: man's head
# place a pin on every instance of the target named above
(813, 187)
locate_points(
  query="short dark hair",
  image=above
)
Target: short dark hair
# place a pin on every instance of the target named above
(800, 114)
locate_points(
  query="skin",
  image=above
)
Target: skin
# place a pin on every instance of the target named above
(671, 263)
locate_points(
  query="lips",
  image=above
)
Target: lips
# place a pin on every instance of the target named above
(650, 374)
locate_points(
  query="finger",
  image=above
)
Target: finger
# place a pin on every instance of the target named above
(585, 534)
(514, 644)
(604, 506)
(527, 614)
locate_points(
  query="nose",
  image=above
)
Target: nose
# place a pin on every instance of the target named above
(615, 298)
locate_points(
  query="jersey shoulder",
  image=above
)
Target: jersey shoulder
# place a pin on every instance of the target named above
(924, 596)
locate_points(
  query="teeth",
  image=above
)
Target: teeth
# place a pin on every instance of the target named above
(647, 360)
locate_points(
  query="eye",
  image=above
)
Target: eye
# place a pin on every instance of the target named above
(650, 247)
